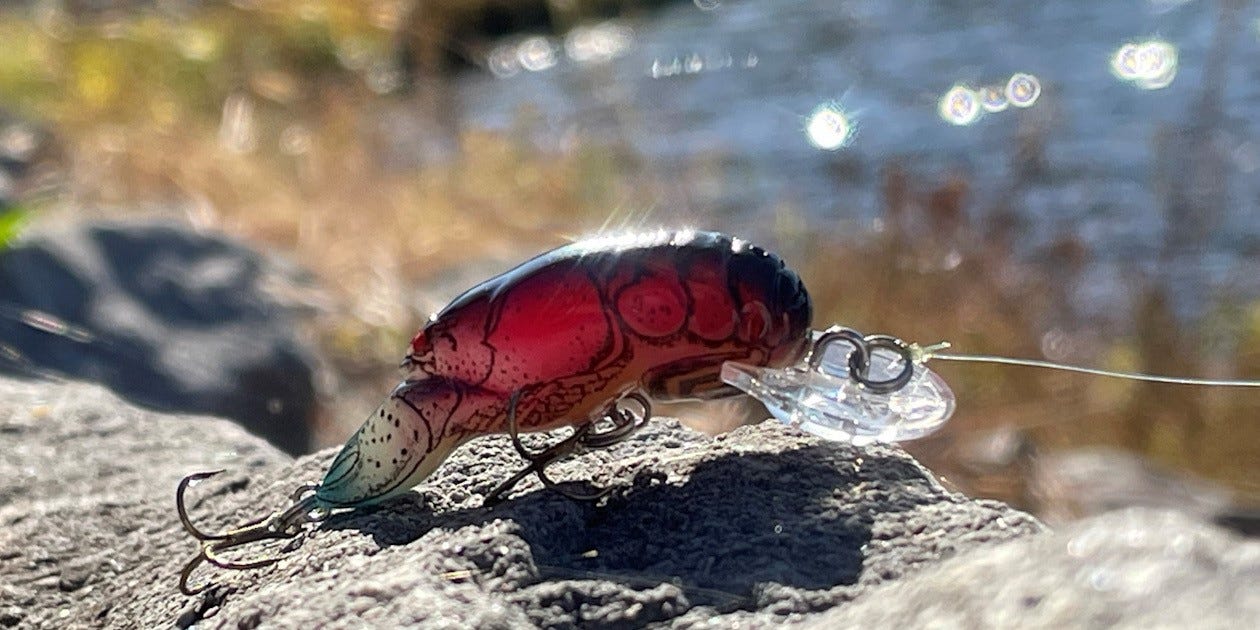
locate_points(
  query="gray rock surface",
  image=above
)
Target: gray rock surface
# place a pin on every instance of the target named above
(1136, 568)
(83, 476)
(165, 316)
(744, 530)
(755, 529)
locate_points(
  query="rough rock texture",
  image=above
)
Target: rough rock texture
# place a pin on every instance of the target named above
(1137, 568)
(745, 530)
(755, 529)
(83, 477)
(166, 317)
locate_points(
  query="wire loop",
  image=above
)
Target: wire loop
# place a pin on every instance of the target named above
(859, 361)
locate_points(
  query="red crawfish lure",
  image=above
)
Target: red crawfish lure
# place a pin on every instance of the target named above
(565, 339)
(568, 338)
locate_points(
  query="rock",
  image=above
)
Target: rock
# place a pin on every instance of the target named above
(753, 529)
(82, 481)
(749, 529)
(168, 318)
(1137, 568)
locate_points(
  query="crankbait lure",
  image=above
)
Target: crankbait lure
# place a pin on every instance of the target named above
(571, 336)
(565, 339)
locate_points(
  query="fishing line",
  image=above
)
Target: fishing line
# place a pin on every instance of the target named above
(1133, 376)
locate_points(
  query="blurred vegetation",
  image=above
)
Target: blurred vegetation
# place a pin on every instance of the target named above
(11, 222)
(264, 119)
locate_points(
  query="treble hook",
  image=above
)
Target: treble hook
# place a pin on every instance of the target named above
(287, 523)
(584, 437)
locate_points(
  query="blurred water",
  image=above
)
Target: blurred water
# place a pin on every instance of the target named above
(1103, 158)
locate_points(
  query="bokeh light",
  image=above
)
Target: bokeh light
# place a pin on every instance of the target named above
(829, 127)
(602, 42)
(693, 64)
(1023, 90)
(662, 68)
(696, 63)
(502, 62)
(960, 106)
(536, 54)
(1150, 65)
(993, 99)
(1124, 63)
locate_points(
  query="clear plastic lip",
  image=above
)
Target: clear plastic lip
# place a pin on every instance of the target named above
(826, 403)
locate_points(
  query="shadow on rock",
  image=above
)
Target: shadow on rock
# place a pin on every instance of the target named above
(762, 522)
(737, 521)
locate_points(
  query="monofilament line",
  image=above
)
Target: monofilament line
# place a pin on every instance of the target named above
(1133, 376)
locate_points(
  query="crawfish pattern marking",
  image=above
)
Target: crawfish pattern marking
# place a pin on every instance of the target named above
(573, 330)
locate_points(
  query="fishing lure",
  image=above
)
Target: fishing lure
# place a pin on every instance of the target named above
(572, 336)
(565, 339)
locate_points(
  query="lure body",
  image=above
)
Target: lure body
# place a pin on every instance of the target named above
(569, 332)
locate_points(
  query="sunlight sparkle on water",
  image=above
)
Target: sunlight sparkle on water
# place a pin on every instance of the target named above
(829, 128)
(1150, 65)
(992, 98)
(695, 63)
(661, 68)
(602, 42)
(959, 106)
(502, 62)
(536, 54)
(1023, 90)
